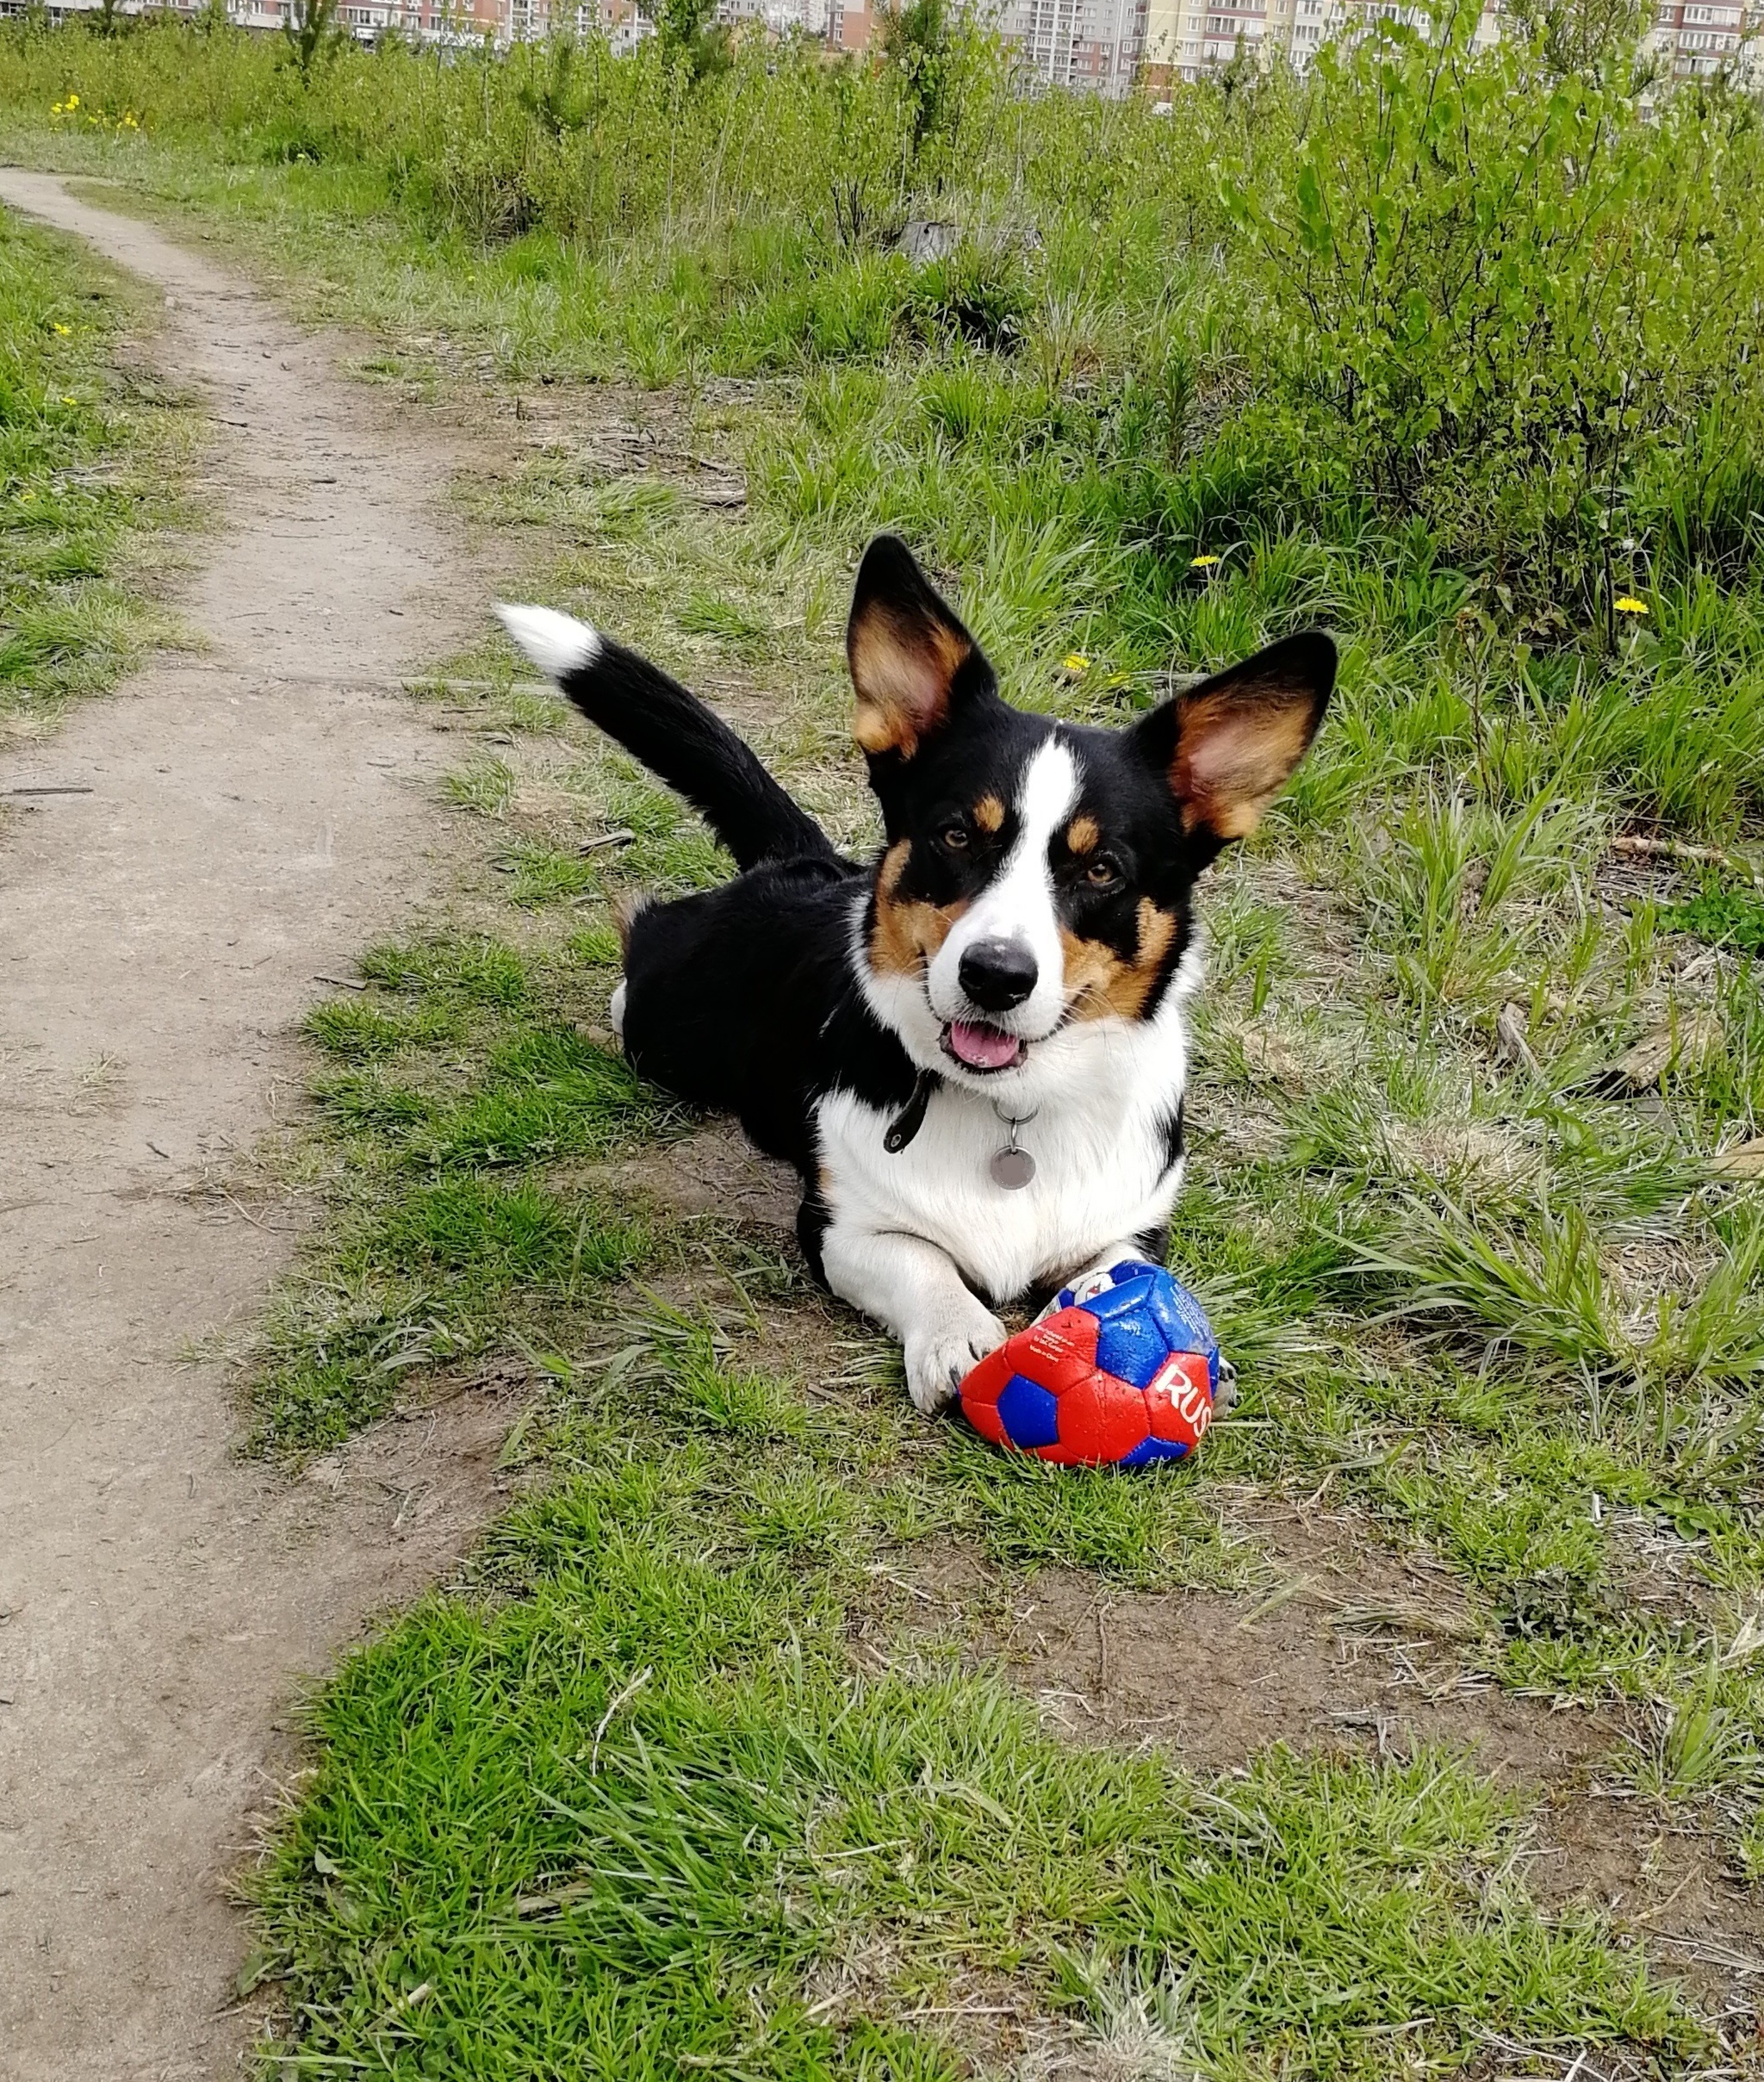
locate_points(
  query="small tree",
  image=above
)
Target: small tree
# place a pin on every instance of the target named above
(312, 31)
(918, 43)
(560, 97)
(1578, 36)
(685, 31)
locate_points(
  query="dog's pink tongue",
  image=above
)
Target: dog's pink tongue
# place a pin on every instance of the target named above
(982, 1048)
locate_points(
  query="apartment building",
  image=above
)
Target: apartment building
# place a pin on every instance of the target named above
(1189, 39)
(1698, 37)
(781, 17)
(1095, 46)
(427, 20)
(619, 22)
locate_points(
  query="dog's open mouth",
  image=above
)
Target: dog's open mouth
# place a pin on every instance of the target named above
(978, 1047)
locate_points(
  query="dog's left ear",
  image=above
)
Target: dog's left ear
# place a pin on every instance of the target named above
(911, 660)
(1231, 744)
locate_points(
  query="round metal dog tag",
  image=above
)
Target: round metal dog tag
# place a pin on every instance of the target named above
(1012, 1168)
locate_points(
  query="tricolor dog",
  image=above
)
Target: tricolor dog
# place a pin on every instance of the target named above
(972, 1047)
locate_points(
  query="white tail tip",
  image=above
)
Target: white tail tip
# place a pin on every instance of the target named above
(557, 643)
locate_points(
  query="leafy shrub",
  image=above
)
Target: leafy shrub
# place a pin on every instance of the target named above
(1505, 303)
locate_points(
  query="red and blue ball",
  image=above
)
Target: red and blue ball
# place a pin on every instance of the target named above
(1118, 1372)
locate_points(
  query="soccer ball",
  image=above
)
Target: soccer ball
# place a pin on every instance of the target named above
(1121, 1369)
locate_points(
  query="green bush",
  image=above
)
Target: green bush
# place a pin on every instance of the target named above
(1499, 299)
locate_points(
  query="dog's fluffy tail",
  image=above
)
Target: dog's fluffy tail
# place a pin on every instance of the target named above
(672, 732)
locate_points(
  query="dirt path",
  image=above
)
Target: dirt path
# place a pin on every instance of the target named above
(254, 816)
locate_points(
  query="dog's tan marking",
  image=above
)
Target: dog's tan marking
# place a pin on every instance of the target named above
(902, 673)
(988, 813)
(906, 936)
(1235, 755)
(1099, 985)
(1083, 835)
(893, 866)
(627, 907)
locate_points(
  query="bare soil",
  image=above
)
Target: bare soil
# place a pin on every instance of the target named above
(251, 815)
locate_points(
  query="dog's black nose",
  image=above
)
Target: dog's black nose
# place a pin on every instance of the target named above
(997, 974)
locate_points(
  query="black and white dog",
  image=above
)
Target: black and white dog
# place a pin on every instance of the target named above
(972, 1049)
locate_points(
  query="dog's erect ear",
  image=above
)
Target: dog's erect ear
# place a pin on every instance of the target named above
(910, 657)
(1231, 744)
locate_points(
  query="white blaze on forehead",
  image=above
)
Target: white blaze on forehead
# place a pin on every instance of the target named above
(1018, 903)
(1045, 796)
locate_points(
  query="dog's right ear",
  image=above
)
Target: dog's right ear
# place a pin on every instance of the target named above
(911, 660)
(1228, 746)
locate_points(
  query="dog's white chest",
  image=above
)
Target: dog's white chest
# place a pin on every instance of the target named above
(1101, 1167)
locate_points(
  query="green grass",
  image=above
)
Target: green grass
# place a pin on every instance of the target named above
(1496, 1309)
(84, 450)
(459, 1081)
(626, 1805)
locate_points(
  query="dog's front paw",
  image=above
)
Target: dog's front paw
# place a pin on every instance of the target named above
(939, 1354)
(1095, 1274)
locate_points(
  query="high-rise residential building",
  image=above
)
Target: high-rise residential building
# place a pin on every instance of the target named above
(807, 17)
(1696, 38)
(848, 27)
(1188, 38)
(1097, 45)
(429, 21)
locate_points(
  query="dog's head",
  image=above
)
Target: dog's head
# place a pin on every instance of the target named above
(1038, 875)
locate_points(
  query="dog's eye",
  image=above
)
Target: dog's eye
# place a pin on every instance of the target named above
(1102, 874)
(955, 837)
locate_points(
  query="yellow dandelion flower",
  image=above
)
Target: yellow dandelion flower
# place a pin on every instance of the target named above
(1075, 660)
(57, 109)
(1201, 564)
(67, 400)
(66, 332)
(73, 101)
(1629, 605)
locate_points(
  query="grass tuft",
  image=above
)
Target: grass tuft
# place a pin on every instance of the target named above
(87, 455)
